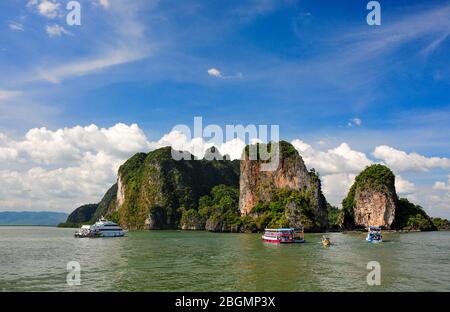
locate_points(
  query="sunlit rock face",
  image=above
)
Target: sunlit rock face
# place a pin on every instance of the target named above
(372, 200)
(375, 208)
(257, 185)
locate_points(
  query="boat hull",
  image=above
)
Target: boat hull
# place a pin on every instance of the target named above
(279, 241)
(371, 239)
(101, 234)
(114, 234)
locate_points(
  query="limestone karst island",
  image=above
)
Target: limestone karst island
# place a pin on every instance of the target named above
(154, 192)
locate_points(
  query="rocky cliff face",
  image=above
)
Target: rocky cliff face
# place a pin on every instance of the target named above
(374, 207)
(372, 200)
(257, 186)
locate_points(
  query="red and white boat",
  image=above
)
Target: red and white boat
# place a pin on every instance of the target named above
(284, 235)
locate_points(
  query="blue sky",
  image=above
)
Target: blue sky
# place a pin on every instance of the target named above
(313, 67)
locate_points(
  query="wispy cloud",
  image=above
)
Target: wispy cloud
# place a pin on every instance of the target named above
(14, 26)
(350, 59)
(124, 43)
(355, 122)
(433, 46)
(7, 95)
(56, 30)
(430, 24)
(214, 72)
(254, 8)
(84, 67)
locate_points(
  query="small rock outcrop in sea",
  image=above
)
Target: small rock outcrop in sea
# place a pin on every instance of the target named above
(372, 199)
(289, 186)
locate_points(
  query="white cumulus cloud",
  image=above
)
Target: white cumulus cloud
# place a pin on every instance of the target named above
(47, 8)
(341, 159)
(67, 145)
(60, 169)
(442, 185)
(6, 152)
(403, 187)
(400, 161)
(335, 186)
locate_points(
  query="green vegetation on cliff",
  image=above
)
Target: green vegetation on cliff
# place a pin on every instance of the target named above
(107, 204)
(335, 216)
(285, 148)
(220, 209)
(412, 217)
(161, 187)
(441, 224)
(287, 208)
(81, 215)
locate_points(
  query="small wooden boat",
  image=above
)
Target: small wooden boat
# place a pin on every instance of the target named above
(326, 241)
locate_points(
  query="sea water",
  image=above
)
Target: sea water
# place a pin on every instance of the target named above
(36, 258)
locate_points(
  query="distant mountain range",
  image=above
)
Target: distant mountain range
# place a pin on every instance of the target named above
(47, 218)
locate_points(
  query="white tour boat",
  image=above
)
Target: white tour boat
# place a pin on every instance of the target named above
(101, 228)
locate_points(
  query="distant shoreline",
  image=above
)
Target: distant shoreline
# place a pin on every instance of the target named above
(29, 225)
(179, 230)
(31, 218)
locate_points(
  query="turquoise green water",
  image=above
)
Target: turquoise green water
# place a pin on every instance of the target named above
(35, 259)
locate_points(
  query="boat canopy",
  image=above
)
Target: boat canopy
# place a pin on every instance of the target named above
(374, 228)
(284, 229)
